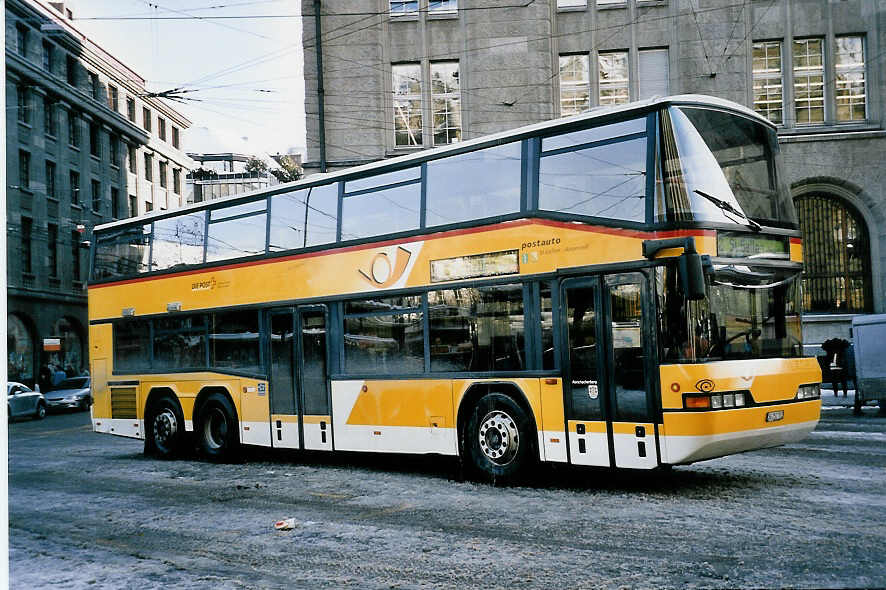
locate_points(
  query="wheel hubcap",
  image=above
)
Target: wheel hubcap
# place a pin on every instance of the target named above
(215, 429)
(499, 438)
(165, 427)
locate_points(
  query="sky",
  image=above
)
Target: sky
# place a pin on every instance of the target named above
(246, 73)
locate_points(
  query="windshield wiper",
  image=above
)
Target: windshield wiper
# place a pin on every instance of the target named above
(726, 206)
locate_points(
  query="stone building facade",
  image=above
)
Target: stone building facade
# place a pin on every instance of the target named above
(402, 75)
(85, 144)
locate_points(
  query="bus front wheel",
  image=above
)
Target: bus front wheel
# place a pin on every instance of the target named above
(498, 439)
(165, 428)
(217, 429)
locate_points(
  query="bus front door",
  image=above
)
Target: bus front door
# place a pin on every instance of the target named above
(299, 389)
(609, 386)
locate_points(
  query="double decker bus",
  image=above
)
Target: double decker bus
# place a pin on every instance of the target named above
(619, 288)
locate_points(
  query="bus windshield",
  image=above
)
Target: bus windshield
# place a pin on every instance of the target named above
(750, 312)
(721, 167)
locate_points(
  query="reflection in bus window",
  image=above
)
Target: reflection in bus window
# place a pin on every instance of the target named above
(477, 329)
(178, 241)
(475, 185)
(628, 370)
(288, 221)
(123, 252)
(384, 344)
(233, 238)
(548, 356)
(385, 211)
(602, 181)
(234, 340)
(180, 342)
(322, 214)
(584, 375)
(131, 346)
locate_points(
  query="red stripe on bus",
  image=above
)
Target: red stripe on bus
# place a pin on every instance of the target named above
(630, 233)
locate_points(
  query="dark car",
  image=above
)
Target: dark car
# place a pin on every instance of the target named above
(71, 394)
(21, 401)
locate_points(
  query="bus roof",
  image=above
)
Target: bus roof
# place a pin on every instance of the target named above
(607, 112)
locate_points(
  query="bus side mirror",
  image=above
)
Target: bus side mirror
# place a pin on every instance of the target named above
(691, 270)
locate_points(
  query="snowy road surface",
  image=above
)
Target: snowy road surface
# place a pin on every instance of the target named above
(90, 511)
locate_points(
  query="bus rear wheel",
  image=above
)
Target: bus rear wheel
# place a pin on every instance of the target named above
(217, 429)
(498, 439)
(165, 428)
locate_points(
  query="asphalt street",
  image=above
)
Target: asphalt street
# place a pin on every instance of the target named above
(91, 511)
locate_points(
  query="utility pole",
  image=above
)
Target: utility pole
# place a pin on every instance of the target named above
(318, 43)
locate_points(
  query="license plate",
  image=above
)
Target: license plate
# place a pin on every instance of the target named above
(775, 416)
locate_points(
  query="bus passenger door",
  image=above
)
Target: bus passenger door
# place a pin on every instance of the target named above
(285, 431)
(312, 378)
(585, 400)
(631, 399)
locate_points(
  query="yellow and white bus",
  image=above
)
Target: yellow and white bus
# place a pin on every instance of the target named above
(619, 288)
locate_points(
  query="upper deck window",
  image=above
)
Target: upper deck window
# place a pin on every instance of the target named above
(731, 159)
(598, 172)
(236, 231)
(384, 204)
(122, 252)
(178, 241)
(474, 185)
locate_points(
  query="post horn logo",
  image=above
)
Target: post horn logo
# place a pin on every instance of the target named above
(383, 272)
(705, 385)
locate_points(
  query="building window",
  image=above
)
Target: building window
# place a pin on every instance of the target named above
(445, 102)
(163, 174)
(21, 38)
(836, 253)
(113, 98)
(608, 2)
(653, 73)
(133, 206)
(809, 81)
(130, 109)
(401, 7)
(27, 226)
(575, 89)
(850, 78)
(177, 181)
(768, 97)
(614, 88)
(49, 121)
(50, 180)
(149, 161)
(114, 145)
(94, 86)
(161, 128)
(95, 140)
(149, 206)
(74, 180)
(71, 70)
(73, 128)
(75, 256)
(175, 137)
(115, 205)
(146, 119)
(133, 163)
(47, 56)
(52, 240)
(572, 3)
(24, 109)
(96, 196)
(442, 6)
(24, 169)
(407, 104)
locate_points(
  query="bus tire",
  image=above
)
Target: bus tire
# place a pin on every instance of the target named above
(218, 433)
(165, 428)
(498, 440)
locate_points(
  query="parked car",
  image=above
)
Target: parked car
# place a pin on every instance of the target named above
(71, 394)
(22, 401)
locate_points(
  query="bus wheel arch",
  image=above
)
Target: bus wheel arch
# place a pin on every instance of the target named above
(164, 424)
(216, 424)
(512, 451)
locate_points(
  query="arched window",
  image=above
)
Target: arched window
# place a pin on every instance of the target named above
(836, 255)
(20, 348)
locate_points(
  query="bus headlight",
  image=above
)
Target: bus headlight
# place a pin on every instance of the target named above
(809, 391)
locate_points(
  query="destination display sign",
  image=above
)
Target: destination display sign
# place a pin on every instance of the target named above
(492, 264)
(741, 245)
